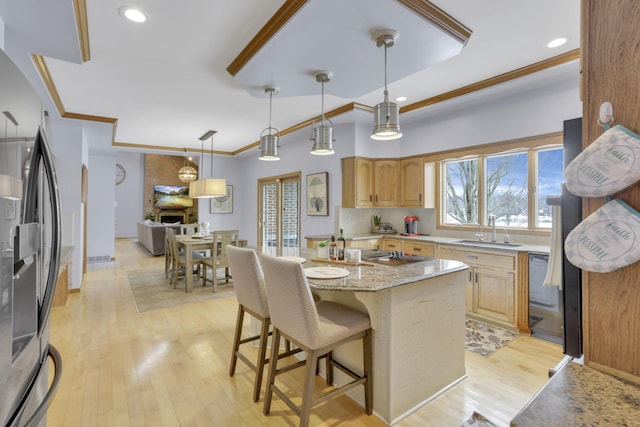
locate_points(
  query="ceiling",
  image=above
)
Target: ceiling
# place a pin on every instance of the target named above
(165, 82)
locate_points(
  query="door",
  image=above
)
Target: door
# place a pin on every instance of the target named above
(411, 182)
(279, 211)
(386, 183)
(494, 294)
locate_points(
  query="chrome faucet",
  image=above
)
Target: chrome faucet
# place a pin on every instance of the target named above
(479, 235)
(492, 223)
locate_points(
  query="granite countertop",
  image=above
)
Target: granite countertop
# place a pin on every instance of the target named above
(370, 278)
(581, 396)
(455, 241)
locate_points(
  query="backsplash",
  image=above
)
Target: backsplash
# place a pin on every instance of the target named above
(359, 220)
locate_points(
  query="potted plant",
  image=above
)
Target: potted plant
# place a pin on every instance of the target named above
(376, 222)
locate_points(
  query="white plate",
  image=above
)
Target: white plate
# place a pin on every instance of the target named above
(326, 272)
(294, 258)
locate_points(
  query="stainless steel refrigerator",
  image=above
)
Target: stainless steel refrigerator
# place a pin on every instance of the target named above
(30, 247)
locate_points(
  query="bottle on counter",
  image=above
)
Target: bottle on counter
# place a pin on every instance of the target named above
(333, 249)
(341, 245)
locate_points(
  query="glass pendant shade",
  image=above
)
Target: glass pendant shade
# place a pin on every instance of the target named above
(10, 187)
(269, 140)
(269, 146)
(187, 173)
(322, 137)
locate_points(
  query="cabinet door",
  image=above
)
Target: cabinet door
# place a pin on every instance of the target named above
(386, 183)
(391, 244)
(419, 248)
(412, 182)
(364, 183)
(362, 244)
(494, 294)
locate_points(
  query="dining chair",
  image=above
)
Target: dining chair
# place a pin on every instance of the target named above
(317, 328)
(179, 260)
(189, 228)
(248, 281)
(218, 258)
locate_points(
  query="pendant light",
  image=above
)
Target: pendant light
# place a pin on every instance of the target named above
(322, 131)
(187, 173)
(207, 188)
(10, 186)
(269, 141)
(386, 123)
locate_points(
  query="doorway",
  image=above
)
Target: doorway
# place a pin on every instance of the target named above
(279, 211)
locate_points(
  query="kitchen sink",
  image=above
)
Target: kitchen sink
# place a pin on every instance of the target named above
(392, 258)
(484, 243)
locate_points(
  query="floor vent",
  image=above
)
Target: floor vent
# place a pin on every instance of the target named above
(98, 258)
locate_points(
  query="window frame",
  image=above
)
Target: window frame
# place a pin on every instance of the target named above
(530, 145)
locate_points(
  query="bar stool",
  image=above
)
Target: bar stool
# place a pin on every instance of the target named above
(248, 281)
(317, 328)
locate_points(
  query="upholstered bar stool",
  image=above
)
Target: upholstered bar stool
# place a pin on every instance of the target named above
(248, 281)
(317, 328)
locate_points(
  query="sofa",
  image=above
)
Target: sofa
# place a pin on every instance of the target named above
(151, 235)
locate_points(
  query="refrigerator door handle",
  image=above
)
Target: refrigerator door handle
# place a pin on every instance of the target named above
(41, 411)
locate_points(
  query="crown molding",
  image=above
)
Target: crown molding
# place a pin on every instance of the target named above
(496, 80)
(275, 23)
(80, 9)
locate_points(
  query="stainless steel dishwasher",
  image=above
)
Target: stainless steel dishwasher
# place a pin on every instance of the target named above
(545, 302)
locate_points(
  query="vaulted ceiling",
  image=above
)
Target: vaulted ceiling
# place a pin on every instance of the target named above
(202, 64)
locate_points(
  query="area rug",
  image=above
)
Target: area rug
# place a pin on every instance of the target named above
(477, 420)
(152, 291)
(485, 339)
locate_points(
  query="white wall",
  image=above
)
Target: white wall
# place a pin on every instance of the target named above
(101, 209)
(65, 139)
(129, 195)
(243, 172)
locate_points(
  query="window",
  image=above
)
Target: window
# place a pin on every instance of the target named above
(512, 185)
(279, 204)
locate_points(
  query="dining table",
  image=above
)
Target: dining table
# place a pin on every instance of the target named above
(190, 243)
(194, 242)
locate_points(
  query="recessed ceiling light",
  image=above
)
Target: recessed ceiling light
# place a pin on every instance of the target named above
(133, 14)
(401, 98)
(557, 42)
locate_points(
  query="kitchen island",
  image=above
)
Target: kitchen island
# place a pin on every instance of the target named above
(417, 314)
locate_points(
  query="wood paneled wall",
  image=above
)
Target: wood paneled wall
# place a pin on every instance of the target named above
(611, 72)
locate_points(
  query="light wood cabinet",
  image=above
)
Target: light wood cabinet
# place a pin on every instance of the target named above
(491, 284)
(61, 294)
(385, 183)
(390, 244)
(368, 183)
(357, 182)
(362, 244)
(412, 182)
(415, 247)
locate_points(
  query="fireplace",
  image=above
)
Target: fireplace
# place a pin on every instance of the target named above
(172, 215)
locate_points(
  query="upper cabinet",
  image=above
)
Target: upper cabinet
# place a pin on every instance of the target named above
(412, 182)
(385, 183)
(357, 183)
(368, 183)
(390, 183)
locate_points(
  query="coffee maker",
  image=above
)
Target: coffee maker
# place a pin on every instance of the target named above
(411, 225)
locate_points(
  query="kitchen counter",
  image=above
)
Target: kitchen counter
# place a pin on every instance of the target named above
(417, 312)
(442, 240)
(581, 396)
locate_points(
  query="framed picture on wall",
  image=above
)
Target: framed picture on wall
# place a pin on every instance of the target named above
(223, 204)
(317, 194)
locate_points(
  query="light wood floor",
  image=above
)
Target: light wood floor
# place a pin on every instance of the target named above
(169, 367)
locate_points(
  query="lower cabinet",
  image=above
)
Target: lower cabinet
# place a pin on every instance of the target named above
(389, 244)
(363, 244)
(61, 294)
(419, 248)
(491, 284)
